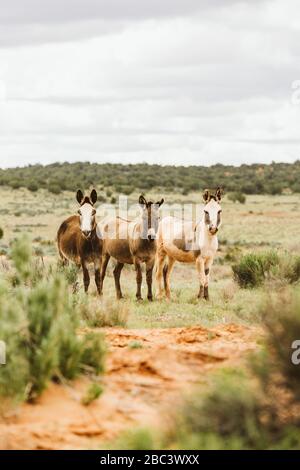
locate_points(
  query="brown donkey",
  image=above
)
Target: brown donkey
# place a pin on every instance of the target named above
(78, 241)
(132, 243)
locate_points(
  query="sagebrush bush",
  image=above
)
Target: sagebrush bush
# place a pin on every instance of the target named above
(237, 196)
(70, 273)
(290, 268)
(281, 316)
(231, 410)
(254, 268)
(38, 322)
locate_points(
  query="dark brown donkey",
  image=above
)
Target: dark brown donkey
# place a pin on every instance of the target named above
(78, 241)
(132, 243)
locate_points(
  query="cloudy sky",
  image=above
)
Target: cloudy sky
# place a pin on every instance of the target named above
(158, 81)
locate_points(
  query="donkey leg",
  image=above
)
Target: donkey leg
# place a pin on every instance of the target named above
(104, 263)
(97, 267)
(86, 276)
(207, 267)
(139, 278)
(167, 274)
(203, 290)
(159, 273)
(64, 261)
(117, 273)
(149, 271)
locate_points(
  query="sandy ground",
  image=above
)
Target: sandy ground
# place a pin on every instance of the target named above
(141, 384)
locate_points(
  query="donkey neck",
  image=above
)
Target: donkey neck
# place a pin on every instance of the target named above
(140, 239)
(205, 238)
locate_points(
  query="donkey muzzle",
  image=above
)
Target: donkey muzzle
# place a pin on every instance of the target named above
(86, 233)
(151, 235)
(213, 230)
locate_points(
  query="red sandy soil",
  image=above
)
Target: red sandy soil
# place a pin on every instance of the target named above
(140, 384)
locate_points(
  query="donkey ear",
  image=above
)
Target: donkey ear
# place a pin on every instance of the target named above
(218, 194)
(79, 196)
(142, 200)
(159, 203)
(93, 196)
(206, 195)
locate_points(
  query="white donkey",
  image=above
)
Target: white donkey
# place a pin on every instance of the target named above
(188, 242)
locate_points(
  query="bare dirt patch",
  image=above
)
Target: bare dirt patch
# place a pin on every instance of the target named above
(147, 369)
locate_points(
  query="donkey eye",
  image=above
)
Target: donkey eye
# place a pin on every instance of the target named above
(219, 212)
(79, 212)
(205, 212)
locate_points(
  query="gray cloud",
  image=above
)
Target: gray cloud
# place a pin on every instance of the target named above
(35, 21)
(46, 11)
(170, 81)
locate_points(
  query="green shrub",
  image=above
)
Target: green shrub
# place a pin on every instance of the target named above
(231, 410)
(15, 183)
(54, 188)
(233, 253)
(32, 186)
(252, 268)
(237, 196)
(70, 272)
(21, 254)
(289, 268)
(281, 317)
(93, 392)
(39, 325)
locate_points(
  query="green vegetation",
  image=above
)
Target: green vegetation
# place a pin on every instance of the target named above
(237, 196)
(38, 323)
(254, 268)
(135, 345)
(249, 179)
(260, 238)
(93, 392)
(103, 313)
(239, 410)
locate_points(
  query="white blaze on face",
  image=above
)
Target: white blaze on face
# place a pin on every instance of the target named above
(213, 209)
(86, 213)
(151, 233)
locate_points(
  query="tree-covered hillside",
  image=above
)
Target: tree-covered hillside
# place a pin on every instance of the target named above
(249, 179)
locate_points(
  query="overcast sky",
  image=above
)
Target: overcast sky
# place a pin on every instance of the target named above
(157, 81)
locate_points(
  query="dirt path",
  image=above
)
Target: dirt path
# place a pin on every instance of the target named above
(147, 370)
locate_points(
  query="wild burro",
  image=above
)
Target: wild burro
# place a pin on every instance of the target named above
(132, 242)
(78, 241)
(187, 242)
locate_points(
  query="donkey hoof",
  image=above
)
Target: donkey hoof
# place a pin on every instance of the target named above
(139, 299)
(150, 298)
